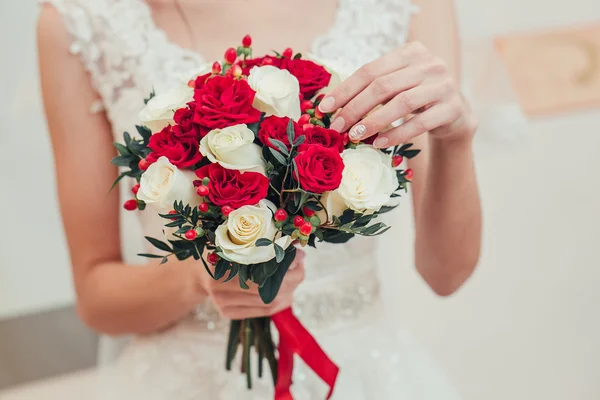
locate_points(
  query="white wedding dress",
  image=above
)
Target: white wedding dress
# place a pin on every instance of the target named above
(340, 302)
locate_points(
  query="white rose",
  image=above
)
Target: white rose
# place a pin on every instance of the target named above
(163, 183)
(277, 91)
(160, 110)
(233, 148)
(368, 179)
(193, 74)
(334, 206)
(237, 237)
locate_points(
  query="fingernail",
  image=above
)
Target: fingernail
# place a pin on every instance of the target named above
(357, 132)
(326, 104)
(380, 142)
(338, 124)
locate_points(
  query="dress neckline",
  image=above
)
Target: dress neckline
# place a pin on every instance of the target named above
(195, 55)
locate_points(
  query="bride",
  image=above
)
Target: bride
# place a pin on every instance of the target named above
(99, 59)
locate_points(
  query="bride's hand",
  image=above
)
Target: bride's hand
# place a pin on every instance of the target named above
(409, 80)
(236, 303)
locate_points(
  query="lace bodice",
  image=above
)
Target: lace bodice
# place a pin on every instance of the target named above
(127, 56)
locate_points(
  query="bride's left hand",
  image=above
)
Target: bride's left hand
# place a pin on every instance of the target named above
(409, 80)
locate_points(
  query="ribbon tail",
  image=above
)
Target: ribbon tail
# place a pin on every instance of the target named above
(285, 367)
(293, 334)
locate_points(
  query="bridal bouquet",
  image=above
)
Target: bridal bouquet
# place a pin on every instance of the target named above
(240, 164)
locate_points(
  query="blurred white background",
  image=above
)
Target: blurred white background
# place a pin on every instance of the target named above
(525, 327)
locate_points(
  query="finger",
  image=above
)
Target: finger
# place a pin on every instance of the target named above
(392, 61)
(242, 312)
(400, 106)
(377, 92)
(438, 115)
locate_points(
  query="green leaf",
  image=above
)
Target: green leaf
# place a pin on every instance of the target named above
(144, 132)
(121, 161)
(280, 146)
(260, 272)
(207, 267)
(243, 276)
(279, 252)
(195, 216)
(347, 216)
(124, 151)
(315, 221)
(291, 132)
(232, 273)
(411, 153)
(363, 220)
(149, 255)
(278, 156)
(406, 146)
(221, 268)
(158, 244)
(385, 209)
(300, 140)
(126, 138)
(268, 291)
(174, 224)
(298, 56)
(123, 175)
(313, 206)
(164, 260)
(263, 242)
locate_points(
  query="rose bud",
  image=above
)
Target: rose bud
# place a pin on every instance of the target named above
(308, 212)
(345, 138)
(408, 174)
(307, 126)
(318, 114)
(306, 228)
(247, 41)
(280, 215)
(203, 207)
(202, 191)
(191, 234)
(298, 221)
(192, 83)
(397, 160)
(236, 70)
(267, 61)
(173, 212)
(226, 210)
(213, 258)
(143, 164)
(306, 105)
(304, 119)
(288, 53)
(130, 205)
(216, 68)
(135, 189)
(230, 55)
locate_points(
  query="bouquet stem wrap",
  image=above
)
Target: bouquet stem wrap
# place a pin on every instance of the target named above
(295, 339)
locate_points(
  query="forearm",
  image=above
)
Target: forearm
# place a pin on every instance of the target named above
(118, 299)
(448, 216)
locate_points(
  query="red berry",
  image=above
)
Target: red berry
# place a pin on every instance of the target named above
(226, 210)
(213, 258)
(230, 55)
(267, 61)
(202, 190)
(345, 138)
(408, 174)
(216, 68)
(192, 83)
(135, 189)
(288, 53)
(143, 164)
(397, 160)
(280, 215)
(306, 105)
(308, 212)
(130, 205)
(173, 212)
(306, 228)
(304, 119)
(298, 221)
(307, 126)
(247, 41)
(318, 113)
(236, 70)
(191, 234)
(319, 98)
(203, 207)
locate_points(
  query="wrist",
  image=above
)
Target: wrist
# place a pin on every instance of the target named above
(455, 144)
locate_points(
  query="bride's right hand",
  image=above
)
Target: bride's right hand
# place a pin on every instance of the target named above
(234, 302)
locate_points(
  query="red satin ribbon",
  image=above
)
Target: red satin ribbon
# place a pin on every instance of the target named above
(295, 339)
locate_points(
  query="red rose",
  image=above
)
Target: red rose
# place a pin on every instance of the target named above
(323, 136)
(257, 62)
(224, 101)
(201, 81)
(312, 77)
(182, 151)
(184, 118)
(276, 128)
(230, 187)
(319, 169)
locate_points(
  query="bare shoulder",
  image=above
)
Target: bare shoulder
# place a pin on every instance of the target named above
(51, 31)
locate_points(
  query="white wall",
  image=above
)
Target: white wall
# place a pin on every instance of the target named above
(524, 328)
(34, 267)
